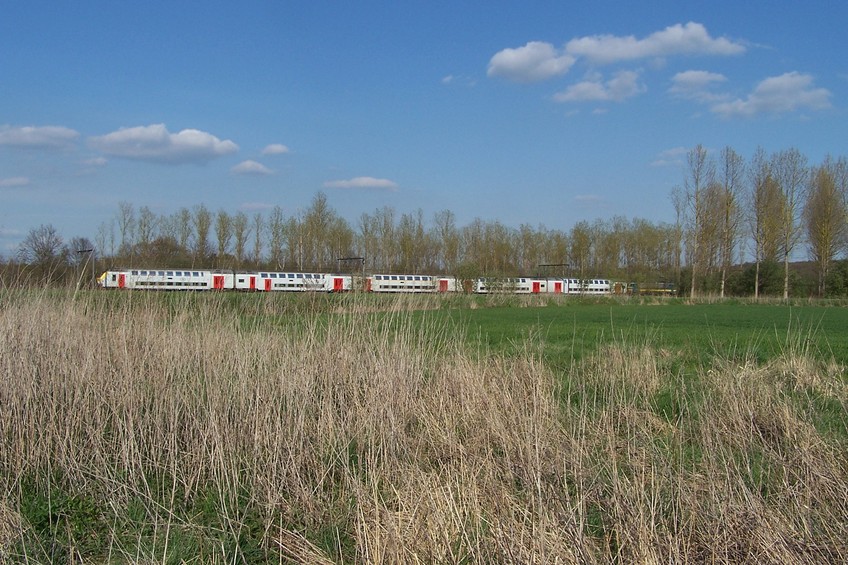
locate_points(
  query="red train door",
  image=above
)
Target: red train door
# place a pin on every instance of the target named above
(338, 284)
(122, 280)
(537, 287)
(268, 284)
(252, 283)
(558, 287)
(443, 285)
(218, 282)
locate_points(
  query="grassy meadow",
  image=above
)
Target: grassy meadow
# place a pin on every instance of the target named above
(253, 428)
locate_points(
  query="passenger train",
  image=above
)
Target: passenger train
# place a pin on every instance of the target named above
(266, 281)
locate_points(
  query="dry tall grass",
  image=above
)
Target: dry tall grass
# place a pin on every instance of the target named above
(345, 439)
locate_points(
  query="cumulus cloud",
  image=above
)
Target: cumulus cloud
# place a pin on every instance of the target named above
(11, 182)
(777, 95)
(42, 137)
(696, 85)
(155, 143)
(688, 39)
(275, 149)
(363, 183)
(538, 60)
(623, 85)
(251, 168)
(534, 62)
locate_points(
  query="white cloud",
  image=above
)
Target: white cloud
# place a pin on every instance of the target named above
(695, 85)
(539, 60)
(777, 95)
(673, 156)
(96, 162)
(155, 143)
(275, 149)
(623, 85)
(9, 233)
(43, 137)
(688, 39)
(462, 80)
(255, 206)
(535, 61)
(251, 168)
(11, 182)
(363, 182)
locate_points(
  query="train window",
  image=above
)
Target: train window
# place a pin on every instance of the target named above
(300, 275)
(135, 272)
(394, 277)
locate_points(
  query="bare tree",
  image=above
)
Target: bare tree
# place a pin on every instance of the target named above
(366, 239)
(825, 216)
(700, 175)
(146, 227)
(202, 220)
(764, 213)
(678, 199)
(385, 225)
(258, 230)
(106, 238)
(791, 173)
(447, 236)
(581, 247)
(276, 231)
(184, 223)
(126, 227)
(732, 178)
(223, 233)
(44, 251)
(241, 231)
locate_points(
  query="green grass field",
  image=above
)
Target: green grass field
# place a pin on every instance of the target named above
(699, 332)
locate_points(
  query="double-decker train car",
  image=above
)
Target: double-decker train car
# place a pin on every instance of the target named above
(401, 283)
(274, 281)
(168, 279)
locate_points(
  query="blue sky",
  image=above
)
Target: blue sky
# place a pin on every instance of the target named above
(523, 112)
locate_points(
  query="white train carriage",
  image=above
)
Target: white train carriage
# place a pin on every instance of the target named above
(401, 283)
(289, 282)
(518, 285)
(596, 286)
(572, 286)
(169, 279)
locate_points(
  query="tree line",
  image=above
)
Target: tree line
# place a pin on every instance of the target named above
(739, 228)
(763, 209)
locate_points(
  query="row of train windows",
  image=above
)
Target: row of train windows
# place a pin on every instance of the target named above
(291, 275)
(401, 278)
(292, 285)
(167, 273)
(404, 287)
(193, 284)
